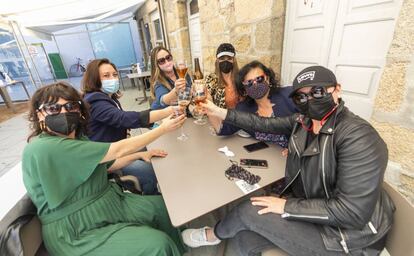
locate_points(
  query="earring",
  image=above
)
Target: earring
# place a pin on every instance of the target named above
(42, 125)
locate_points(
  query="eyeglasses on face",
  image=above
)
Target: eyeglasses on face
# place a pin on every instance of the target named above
(56, 108)
(258, 79)
(317, 92)
(162, 61)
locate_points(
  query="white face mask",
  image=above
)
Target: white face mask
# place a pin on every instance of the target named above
(110, 86)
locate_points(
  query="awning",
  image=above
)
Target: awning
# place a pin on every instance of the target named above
(49, 16)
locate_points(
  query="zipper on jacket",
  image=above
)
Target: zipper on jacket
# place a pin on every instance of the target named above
(373, 229)
(343, 242)
(290, 183)
(323, 167)
(286, 215)
(294, 145)
(294, 178)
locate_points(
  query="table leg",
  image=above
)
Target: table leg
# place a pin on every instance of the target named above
(6, 98)
(143, 99)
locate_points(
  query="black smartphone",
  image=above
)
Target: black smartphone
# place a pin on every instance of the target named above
(256, 163)
(256, 146)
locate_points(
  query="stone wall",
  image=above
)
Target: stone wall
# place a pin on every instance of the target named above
(393, 113)
(256, 35)
(176, 21)
(255, 28)
(144, 13)
(176, 25)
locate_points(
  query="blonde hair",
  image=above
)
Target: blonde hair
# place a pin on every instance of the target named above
(157, 75)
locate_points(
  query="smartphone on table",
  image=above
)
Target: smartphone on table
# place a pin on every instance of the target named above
(255, 146)
(255, 163)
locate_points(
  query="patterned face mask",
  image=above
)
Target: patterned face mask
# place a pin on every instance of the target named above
(238, 172)
(258, 90)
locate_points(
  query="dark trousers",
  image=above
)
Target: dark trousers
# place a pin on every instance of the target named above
(251, 233)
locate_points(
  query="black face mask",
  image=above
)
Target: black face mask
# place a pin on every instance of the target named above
(303, 108)
(318, 108)
(63, 123)
(225, 66)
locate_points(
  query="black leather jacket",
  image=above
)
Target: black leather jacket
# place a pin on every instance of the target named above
(341, 176)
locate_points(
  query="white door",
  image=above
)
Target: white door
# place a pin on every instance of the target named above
(194, 30)
(351, 37)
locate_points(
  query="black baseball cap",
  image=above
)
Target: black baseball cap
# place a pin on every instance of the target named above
(225, 49)
(313, 76)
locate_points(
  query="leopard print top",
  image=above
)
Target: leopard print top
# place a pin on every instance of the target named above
(218, 93)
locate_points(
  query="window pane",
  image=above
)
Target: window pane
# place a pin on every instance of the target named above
(157, 26)
(193, 7)
(12, 64)
(113, 41)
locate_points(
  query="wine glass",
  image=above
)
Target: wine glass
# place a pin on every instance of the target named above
(177, 110)
(182, 68)
(199, 96)
(184, 98)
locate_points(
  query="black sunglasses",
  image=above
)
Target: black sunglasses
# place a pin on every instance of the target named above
(161, 61)
(56, 108)
(250, 82)
(317, 92)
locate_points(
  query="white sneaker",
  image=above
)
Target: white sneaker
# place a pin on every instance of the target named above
(197, 237)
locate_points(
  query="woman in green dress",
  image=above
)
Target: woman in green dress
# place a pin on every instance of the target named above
(65, 174)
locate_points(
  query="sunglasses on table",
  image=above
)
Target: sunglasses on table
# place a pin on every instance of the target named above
(317, 92)
(56, 108)
(161, 61)
(250, 82)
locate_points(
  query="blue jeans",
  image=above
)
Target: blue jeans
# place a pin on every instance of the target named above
(251, 233)
(145, 174)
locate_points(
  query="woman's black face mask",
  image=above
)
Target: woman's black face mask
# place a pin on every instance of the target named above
(225, 66)
(63, 123)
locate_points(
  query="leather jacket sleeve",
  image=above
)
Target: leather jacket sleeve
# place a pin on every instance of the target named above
(361, 157)
(252, 122)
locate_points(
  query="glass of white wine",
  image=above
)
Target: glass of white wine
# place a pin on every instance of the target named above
(184, 98)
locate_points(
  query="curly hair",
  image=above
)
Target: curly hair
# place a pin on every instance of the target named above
(51, 94)
(274, 82)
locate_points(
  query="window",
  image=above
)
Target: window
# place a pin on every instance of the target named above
(113, 41)
(157, 27)
(193, 7)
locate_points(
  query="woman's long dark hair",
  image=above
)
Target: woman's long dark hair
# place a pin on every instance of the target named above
(91, 81)
(51, 94)
(273, 78)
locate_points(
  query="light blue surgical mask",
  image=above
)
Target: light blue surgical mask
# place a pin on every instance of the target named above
(110, 86)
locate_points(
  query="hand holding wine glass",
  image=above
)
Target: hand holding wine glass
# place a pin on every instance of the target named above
(212, 110)
(200, 95)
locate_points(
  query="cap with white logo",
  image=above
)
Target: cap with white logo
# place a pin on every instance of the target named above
(313, 76)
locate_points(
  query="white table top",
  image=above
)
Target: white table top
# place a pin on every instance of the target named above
(139, 75)
(192, 178)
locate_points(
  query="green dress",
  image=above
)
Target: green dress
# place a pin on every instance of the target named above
(84, 214)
